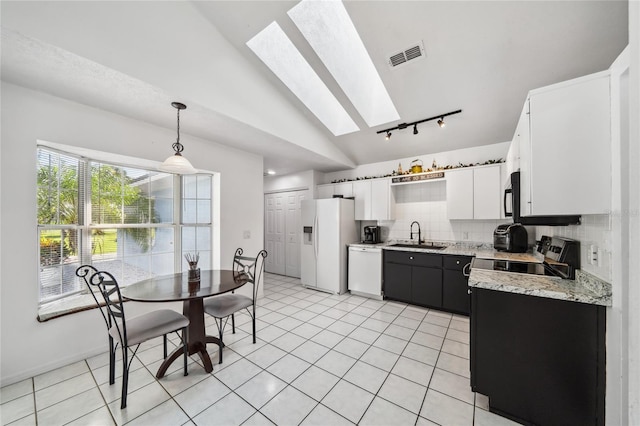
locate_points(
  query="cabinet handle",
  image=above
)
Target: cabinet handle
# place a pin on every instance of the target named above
(469, 291)
(466, 270)
(457, 262)
(410, 257)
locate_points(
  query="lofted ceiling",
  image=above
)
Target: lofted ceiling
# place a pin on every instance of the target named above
(481, 56)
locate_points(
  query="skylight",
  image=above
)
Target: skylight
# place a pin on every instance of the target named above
(277, 51)
(329, 30)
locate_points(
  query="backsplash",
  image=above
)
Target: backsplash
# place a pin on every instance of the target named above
(426, 203)
(593, 230)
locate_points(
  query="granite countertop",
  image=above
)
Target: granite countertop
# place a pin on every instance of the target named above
(586, 288)
(485, 251)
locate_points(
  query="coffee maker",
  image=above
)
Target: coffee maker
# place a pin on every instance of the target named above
(371, 235)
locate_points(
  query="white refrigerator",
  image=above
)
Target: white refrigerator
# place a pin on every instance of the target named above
(328, 225)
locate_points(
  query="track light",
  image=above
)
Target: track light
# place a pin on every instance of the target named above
(401, 126)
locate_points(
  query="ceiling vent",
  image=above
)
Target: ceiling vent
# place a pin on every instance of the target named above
(410, 54)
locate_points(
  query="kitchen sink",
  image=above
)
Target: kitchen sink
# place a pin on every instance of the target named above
(420, 246)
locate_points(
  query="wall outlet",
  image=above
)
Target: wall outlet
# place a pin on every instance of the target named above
(246, 235)
(465, 235)
(594, 254)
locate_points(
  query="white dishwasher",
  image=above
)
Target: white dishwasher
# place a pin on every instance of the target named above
(365, 271)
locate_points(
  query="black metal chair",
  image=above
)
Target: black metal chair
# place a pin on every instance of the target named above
(129, 332)
(225, 306)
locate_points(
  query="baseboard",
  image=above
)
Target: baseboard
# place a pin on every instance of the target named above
(46, 367)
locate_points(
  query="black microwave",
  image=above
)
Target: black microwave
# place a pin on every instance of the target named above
(512, 200)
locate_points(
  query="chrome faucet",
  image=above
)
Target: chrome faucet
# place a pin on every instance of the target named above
(411, 231)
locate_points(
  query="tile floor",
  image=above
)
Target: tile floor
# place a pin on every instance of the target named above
(320, 359)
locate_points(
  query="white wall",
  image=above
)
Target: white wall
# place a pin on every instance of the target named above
(29, 347)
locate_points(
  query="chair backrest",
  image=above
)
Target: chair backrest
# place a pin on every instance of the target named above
(112, 309)
(250, 267)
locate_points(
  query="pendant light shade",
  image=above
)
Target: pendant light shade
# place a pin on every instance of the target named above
(177, 163)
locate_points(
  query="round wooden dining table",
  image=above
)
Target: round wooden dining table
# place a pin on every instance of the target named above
(176, 287)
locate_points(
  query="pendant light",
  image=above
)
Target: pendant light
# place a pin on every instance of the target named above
(177, 163)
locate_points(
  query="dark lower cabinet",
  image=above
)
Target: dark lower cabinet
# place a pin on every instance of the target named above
(426, 286)
(397, 280)
(413, 277)
(540, 361)
(455, 290)
(427, 279)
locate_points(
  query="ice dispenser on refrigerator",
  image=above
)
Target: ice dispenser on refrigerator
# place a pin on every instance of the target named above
(307, 235)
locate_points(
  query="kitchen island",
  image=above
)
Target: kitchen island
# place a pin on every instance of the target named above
(538, 345)
(537, 341)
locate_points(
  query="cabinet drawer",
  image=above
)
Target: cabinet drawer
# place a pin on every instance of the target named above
(414, 258)
(455, 263)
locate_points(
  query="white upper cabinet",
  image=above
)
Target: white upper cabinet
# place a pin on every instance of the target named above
(374, 200)
(345, 189)
(512, 163)
(324, 191)
(329, 190)
(474, 193)
(487, 192)
(459, 194)
(362, 194)
(566, 155)
(383, 204)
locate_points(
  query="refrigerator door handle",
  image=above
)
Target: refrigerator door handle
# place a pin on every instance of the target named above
(315, 237)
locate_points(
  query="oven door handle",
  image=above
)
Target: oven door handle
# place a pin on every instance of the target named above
(466, 270)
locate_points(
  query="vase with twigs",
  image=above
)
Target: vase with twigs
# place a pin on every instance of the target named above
(194, 271)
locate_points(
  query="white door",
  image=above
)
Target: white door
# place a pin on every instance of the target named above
(274, 234)
(293, 230)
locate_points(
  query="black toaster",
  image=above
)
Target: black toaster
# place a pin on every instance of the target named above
(511, 237)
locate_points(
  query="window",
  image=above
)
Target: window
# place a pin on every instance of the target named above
(117, 218)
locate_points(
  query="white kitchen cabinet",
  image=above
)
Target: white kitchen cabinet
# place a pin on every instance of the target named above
(374, 200)
(460, 194)
(512, 163)
(474, 193)
(487, 192)
(345, 189)
(362, 197)
(565, 156)
(330, 189)
(324, 191)
(383, 204)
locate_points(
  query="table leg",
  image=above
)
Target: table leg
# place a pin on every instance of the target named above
(197, 340)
